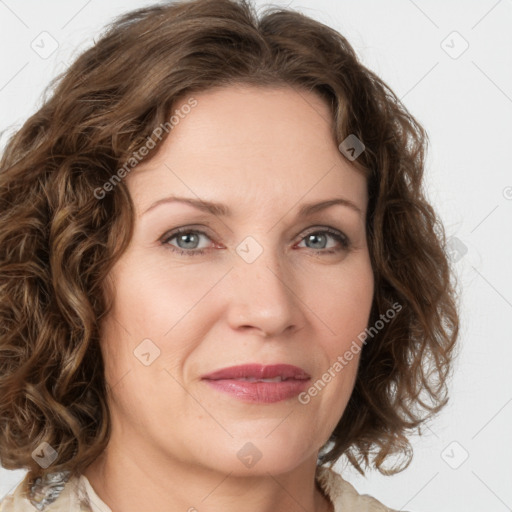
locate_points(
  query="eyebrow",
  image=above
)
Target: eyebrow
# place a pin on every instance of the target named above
(222, 210)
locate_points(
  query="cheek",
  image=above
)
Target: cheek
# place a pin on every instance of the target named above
(342, 300)
(160, 303)
(152, 297)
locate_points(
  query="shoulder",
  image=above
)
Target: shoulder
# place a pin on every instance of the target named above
(56, 492)
(59, 492)
(343, 494)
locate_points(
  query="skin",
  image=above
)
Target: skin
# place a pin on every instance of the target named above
(263, 152)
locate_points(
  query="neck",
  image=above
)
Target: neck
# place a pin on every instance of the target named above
(130, 481)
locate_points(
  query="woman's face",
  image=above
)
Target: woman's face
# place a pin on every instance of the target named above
(257, 284)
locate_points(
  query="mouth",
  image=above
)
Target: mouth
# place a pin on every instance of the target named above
(259, 383)
(255, 379)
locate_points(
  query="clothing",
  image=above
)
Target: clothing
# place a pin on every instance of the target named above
(61, 493)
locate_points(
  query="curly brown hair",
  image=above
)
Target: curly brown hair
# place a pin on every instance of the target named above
(58, 241)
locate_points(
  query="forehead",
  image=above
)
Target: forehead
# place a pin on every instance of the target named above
(251, 116)
(251, 144)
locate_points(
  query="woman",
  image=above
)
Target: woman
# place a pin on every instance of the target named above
(219, 272)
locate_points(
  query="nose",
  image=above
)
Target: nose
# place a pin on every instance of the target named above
(264, 297)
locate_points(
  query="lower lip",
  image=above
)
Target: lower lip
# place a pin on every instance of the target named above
(260, 392)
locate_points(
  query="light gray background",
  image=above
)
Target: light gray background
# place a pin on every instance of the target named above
(464, 100)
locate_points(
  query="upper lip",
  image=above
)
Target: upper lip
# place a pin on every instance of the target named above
(259, 371)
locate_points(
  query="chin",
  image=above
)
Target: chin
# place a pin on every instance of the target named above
(261, 454)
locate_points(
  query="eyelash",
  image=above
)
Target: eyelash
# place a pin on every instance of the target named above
(337, 235)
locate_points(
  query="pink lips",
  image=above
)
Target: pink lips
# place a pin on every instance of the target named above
(246, 382)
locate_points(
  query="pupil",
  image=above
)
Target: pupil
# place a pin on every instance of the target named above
(186, 240)
(313, 237)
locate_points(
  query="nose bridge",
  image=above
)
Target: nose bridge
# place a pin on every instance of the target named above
(262, 289)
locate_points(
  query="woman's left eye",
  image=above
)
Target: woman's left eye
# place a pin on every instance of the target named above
(324, 234)
(188, 240)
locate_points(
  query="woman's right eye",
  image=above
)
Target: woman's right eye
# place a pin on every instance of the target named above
(186, 237)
